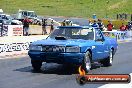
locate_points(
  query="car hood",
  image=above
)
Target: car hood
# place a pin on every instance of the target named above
(77, 42)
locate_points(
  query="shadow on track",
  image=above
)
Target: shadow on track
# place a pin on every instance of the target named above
(52, 68)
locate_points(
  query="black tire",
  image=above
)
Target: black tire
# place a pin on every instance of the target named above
(109, 60)
(36, 64)
(86, 64)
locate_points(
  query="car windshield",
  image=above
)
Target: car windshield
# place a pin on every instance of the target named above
(3, 16)
(6, 17)
(73, 33)
(9, 18)
(31, 14)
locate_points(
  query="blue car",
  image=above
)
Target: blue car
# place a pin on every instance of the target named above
(73, 45)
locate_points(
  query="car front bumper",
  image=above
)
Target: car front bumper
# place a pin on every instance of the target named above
(60, 58)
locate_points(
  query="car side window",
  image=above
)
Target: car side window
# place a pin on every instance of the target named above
(98, 36)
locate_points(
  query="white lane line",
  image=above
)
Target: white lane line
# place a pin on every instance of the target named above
(129, 85)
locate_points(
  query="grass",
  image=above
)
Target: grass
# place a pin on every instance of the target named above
(69, 8)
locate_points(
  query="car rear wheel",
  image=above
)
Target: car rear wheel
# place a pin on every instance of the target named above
(87, 62)
(108, 61)
(36, 65)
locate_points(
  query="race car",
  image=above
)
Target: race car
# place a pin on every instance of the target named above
(7, 19)
(73, 45)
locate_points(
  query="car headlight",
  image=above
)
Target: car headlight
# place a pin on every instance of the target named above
(35, 48)
(72, 49)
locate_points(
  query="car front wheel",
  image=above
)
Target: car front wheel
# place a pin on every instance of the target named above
(36, 65)
(87, 62)
(109, 60)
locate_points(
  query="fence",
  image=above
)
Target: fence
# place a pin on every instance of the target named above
(119, 35)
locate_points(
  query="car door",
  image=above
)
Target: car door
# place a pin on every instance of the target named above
(105, 45)
(100, 46)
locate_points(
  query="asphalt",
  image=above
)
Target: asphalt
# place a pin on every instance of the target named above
(17, 72)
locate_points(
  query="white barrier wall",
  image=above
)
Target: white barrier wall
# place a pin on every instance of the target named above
(17, 44)
(15, 30)
(12, 30)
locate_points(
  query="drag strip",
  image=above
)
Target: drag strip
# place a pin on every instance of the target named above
(17, 72)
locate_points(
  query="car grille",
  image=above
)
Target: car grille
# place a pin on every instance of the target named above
(50, 48)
